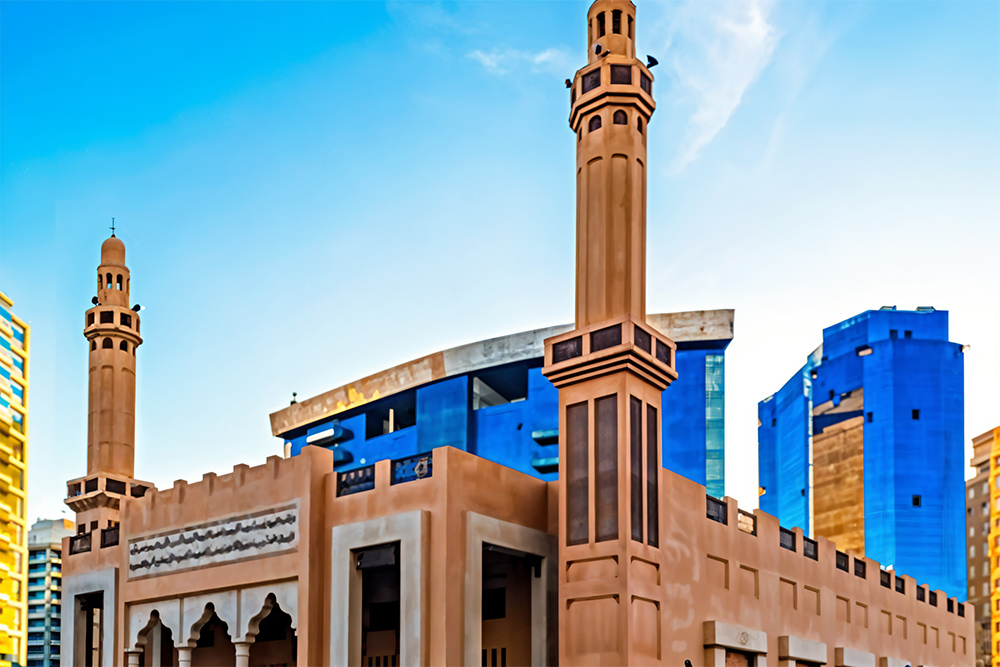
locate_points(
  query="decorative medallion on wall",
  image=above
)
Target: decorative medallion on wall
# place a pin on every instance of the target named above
(257, 535)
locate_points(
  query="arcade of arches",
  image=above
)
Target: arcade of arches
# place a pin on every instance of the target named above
(246, 628)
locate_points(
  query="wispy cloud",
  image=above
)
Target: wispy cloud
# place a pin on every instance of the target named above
(717, 51)
(502, 60)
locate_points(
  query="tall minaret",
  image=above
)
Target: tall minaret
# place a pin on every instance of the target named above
(610, 370)
(112, 331)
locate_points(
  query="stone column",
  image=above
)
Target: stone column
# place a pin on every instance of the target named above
(184, 656)
(132, 658)
(242, 654)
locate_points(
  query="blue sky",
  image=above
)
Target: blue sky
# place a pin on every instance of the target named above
(311, 192)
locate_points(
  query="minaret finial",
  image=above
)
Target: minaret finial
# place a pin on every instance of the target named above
(112, 226)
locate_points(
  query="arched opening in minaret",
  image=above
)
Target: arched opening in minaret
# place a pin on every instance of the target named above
(99, 282)
(123, 347)
(275, 642)
(616, 21)
(600, 25)
(630, 27)
(93, 345)
(638, 124)
(118, 282)
(595, 123)
(620, 118)
(107, 281)
(106, 344)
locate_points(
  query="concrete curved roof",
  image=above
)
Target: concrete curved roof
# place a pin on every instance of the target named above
(688, 327)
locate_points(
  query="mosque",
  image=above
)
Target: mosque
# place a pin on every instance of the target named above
(445, 557)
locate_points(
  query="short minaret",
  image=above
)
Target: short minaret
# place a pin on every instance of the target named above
(112, 333)
(610, 370)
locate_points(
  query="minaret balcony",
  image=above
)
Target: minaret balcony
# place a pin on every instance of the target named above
(623, 79)
(102, 490)
(621, 344)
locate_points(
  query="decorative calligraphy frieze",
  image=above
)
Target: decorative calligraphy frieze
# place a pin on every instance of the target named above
(267, 533)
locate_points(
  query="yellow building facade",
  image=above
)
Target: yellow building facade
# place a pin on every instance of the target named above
(14, 350)
(994, 543)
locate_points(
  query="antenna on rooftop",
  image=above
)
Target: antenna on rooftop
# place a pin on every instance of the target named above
(294, 399)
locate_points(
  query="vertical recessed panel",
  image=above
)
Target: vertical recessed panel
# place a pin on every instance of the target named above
(652, 478)
(577, 461)
(606, 468)
(635, 446)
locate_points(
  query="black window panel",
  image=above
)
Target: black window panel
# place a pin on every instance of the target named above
(606, 468)
(933, 598)
(621, 74)
(567, 349)
(600, 25)
(126, 320)
(961, 609)
(663, 352)
(787, 539)
(915, 414)
(810, 549)
(842, 561)
(638, 124)
(602, 339)
(572, 95)
(917, 501)
(715, 510)
(652, 477)
(591, 80)
(115, 486)
(616, 21)
(900, 585)
(107, 344)
(107, 317)
(595, 123)
(643, 340)
(885, 578)
(635, 461)
(921, 595)
(951, 605)
(620, 118)
(646, 84)
(577, 462)
(860, 568)
(90, 319)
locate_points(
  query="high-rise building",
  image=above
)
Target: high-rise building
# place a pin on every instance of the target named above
(864, 445)
(491, 399)
(14, 350)
(45, 590)
(978, 519)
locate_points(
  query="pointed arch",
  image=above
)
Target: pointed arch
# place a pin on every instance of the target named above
(194, 634)
(142, 636)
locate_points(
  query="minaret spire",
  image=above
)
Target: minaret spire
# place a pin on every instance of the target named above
(610, 370)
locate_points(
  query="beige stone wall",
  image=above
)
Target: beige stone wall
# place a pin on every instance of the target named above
(745, 587)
